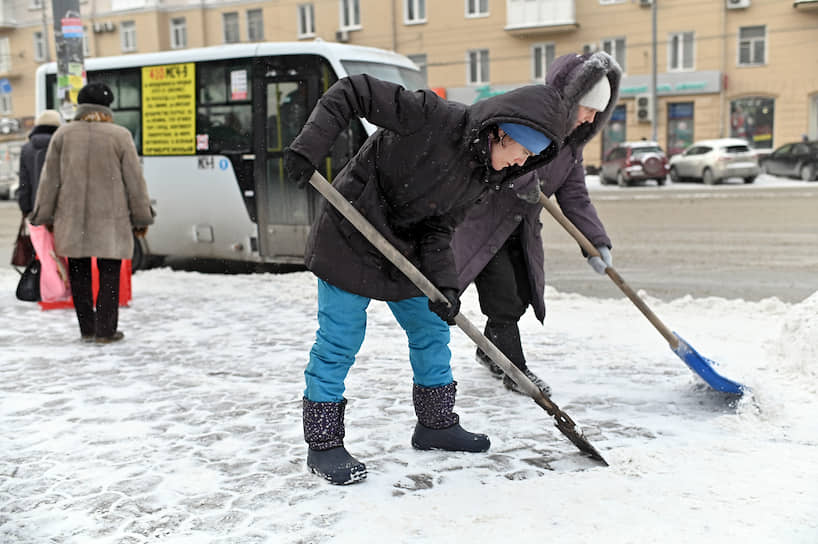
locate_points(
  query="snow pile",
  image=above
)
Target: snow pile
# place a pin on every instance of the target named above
(798, 341)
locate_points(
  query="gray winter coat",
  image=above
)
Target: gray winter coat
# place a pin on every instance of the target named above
(414, 179)
(490, 223)
(92, 189)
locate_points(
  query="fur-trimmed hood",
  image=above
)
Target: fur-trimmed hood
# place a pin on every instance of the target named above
(574, 75)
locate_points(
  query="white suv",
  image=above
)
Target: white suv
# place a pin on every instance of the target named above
(713, 161)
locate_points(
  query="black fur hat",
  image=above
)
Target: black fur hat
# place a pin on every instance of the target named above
(96, 93)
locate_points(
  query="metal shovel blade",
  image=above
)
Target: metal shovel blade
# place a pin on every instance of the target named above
(704, 368)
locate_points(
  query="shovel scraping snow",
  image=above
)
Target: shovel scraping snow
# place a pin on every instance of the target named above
(702, 366)
(564, 423)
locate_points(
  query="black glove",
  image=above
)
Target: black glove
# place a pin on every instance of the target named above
(298, 168)
(447, 311)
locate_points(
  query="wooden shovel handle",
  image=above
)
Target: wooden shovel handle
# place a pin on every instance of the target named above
(589, 248)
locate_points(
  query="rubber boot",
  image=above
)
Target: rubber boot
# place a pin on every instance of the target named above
(506, 336)
(324, 432)
(438, 427)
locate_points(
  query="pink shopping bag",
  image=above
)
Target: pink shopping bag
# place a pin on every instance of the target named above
(54, 286)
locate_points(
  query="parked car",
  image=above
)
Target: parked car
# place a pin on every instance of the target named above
(631, 162)
(799, 159)
(9, 125)
(713, 161)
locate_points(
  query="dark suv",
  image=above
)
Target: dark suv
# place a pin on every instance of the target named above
(631, 162)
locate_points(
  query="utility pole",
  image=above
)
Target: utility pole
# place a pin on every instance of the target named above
(653, 98)
(68, 44)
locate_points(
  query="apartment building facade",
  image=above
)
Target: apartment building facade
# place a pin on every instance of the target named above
(743, 68)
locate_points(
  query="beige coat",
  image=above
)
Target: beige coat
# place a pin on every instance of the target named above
(92, 190)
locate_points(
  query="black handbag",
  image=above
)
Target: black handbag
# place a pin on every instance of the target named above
(28, 289)
(23, 252)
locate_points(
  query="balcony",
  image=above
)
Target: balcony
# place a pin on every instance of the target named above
(537, 17)
(7, 18)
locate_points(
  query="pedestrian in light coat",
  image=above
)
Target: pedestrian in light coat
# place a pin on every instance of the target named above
(414, 180)
(92, 194)
(499, 246)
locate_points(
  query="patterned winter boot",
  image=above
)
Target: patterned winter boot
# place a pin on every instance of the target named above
(324, 432)
(438, 427)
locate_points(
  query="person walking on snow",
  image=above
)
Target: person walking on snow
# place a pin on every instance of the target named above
(32, 157)
(414, 180)
(92, 194)
(499, 245)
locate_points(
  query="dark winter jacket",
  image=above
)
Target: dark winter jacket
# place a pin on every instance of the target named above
(414, 179)
(499, 214)
(32, 158)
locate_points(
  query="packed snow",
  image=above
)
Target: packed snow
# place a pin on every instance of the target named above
(189, 431)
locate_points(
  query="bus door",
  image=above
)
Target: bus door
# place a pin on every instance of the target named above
(284, 211)
(285, 94)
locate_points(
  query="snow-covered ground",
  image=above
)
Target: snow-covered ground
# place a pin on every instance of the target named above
(189, 431)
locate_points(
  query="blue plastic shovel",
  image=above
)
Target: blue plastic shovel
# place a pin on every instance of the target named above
(702, 366)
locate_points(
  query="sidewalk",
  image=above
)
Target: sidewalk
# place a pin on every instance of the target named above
(189, 430)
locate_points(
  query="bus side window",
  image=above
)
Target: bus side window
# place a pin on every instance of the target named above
(225, 112)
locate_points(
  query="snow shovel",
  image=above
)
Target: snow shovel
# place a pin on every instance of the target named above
(702, 366)
(564, 423)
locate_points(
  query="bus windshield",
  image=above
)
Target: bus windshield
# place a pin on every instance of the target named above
(407, 77)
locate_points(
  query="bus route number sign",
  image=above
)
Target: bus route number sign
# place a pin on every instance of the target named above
(169, 109)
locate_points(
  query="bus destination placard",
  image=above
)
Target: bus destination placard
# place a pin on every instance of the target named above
(169, 109)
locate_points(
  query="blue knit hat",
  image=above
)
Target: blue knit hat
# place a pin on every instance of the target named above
(533, 140)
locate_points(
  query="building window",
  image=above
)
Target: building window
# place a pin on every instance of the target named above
(230, 24)
(679, 127)
(477, 8)
(615, 47)
(255, 25)
(36, 4)
(414, 11)
(127, 35)
(350, 14)
(5, 103)
(306, 21)
(39, 47)
(5, 55)
(751, 118)
(680, 52)
(752, 45)
(478, 66)
(542, 55)
(178, 33)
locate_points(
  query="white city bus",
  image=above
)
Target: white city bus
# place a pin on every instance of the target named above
(211, 125)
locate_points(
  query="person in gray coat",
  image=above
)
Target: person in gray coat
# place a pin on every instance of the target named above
(94, 198)
(414, 179)
(499, 246)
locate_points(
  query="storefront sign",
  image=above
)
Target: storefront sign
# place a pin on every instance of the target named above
(669, 84)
